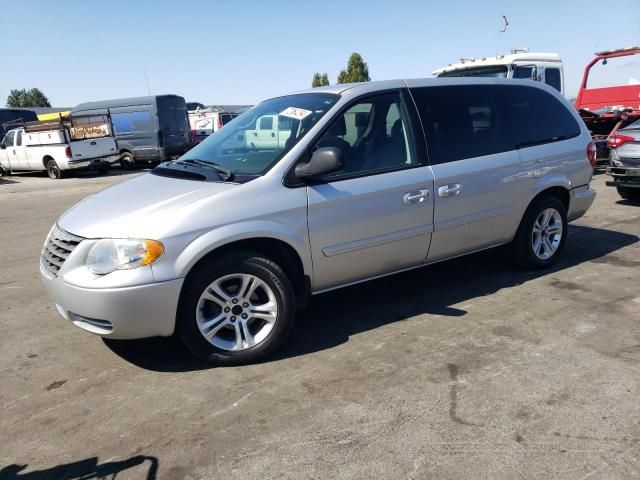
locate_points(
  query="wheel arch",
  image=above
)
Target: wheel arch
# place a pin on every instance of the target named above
(46, 159)
(288, 251)
(561, 192)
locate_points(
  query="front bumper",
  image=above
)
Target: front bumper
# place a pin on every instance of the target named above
(580, 200)
(119, 313)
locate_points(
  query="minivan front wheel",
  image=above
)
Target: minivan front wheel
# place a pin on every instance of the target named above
(236, 310)
(542, 233)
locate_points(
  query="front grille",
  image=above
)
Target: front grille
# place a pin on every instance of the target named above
(57, 248)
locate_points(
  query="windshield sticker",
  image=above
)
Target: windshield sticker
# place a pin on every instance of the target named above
(296, 113)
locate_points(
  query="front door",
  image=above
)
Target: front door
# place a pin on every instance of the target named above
(11, 153)
(374, 216)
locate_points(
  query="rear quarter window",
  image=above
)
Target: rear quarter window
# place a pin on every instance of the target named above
(538, 117)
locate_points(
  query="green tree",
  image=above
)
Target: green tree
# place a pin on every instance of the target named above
(27, 98)
(320, 80)
(357, 70)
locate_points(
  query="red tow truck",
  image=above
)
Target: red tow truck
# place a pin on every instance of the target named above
(605, 110)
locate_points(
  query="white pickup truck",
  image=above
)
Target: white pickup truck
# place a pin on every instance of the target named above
(272, 131)
(59, 148)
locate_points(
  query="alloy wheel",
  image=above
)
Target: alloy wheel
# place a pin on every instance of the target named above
(236, 312)
(547, 233)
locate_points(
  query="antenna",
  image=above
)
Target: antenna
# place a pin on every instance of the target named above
(503, 28)
(147, 81)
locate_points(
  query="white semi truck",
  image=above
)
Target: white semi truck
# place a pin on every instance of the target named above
(541, 67)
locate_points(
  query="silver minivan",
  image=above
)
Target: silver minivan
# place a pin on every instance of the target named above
(224, 244)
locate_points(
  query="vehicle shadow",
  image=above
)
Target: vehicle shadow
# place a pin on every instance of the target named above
(332, 318)
(633, 203)
(85, 469)
(6, 181)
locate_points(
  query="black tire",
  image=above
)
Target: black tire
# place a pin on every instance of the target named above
(523, 245)
(3, 172)
(127, 161)
(629, 193)
(53, 170)
(215, 268)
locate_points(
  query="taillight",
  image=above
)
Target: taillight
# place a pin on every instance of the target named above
(615, 141)
(219, 122)
(67, 151)
(592, 153)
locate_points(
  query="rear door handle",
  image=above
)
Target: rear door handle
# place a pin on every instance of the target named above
(449, 190)
(416, 196)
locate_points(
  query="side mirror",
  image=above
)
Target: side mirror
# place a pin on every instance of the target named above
(3, 146)
(324, 160)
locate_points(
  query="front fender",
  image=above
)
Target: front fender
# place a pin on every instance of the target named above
(214, 239)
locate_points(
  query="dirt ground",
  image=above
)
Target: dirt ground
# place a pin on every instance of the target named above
(465, 369)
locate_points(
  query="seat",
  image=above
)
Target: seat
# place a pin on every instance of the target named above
(391, 154)
(332, 139)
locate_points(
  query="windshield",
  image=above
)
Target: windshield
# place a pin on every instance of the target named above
(254, 141)
(497, 71)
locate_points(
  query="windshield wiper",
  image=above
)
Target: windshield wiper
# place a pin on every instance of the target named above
(224, 173)
(531, 143)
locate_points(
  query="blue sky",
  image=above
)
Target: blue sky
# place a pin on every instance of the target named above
(232, 52)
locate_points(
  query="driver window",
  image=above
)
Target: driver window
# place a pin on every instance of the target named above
(374, 136)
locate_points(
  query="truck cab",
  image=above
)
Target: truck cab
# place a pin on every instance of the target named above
(522, 64)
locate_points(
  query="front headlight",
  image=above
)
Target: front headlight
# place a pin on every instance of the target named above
(109, 255)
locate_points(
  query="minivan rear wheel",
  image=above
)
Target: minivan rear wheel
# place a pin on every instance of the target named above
(236, 309)
(542, 233)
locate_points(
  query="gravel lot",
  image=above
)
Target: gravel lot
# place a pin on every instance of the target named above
(466, 369)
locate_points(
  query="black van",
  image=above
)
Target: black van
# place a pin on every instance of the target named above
(146, 129)
(12, 114)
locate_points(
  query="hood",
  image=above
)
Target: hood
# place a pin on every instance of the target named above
(142, 207)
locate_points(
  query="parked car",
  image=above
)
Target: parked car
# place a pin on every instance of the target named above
(10, 115)
(223, 245)
(625, 161)
(205, 122)
(57, 148)
(147, 129)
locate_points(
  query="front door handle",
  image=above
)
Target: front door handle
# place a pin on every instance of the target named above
(416, 196)
(449, 190)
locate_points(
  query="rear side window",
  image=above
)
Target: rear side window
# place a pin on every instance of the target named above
(462, 122)
(537, 117)
(552, 78)
(131, 122)
(19, 138)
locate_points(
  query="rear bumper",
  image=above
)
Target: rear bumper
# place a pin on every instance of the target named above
(93, 162)
(624, 177)
(580, 200)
